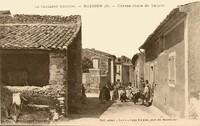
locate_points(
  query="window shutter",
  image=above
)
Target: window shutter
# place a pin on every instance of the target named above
(172, 69)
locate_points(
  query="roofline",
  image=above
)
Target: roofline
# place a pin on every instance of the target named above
(35, 21)
(176, 10)
(168, 17)
(98, 51)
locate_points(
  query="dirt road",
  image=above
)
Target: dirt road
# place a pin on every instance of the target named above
(127, 113)
(118, 113)
(128, 110)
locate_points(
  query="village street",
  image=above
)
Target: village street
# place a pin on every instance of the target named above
(128, 111)
(123, 113)
(118, 113)
(58, 70)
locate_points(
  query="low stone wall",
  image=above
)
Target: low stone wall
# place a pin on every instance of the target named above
(49, 90)
(90, 89)
(92, 80)
(47, 95)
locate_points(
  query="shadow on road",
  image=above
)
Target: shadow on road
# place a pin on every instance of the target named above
(93, 109)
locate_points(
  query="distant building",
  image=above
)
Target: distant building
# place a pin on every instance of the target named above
(103, 68)
(124, 70)
(172, 60)
(138, 68)
(41, 50)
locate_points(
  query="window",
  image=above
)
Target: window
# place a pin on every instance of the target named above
(118, 69)
(172, 69)
(95, 63)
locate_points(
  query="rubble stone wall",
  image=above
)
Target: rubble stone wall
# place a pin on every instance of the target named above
(40, 95)
(57, 68)
(75, 71)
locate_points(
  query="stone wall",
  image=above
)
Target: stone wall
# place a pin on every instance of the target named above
(139, 70)
(194, 58)
(75, 71)
(0, 70)
(95, 77)
(92, 80)
(51, 95)
(103, 60)
(57, 68)
(104, 65)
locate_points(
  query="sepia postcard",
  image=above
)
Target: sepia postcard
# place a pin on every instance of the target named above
(100, 62)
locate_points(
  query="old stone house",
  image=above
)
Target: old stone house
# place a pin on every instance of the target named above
(103, 71)
(42, 50)
(172, 60)
(138, 69)
(124, 70)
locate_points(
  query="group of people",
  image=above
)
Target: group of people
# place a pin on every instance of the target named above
(127, 93)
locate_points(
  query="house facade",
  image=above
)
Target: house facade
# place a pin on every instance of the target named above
(42, 50)
(138, 69)
(102, 72)
(124, 70)
(172, 60)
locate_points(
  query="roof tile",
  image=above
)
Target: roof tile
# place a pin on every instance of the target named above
(38, 32)
(37, 36)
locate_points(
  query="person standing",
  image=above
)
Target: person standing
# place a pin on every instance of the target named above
(111, 91)
(142, 95)
(147, 93)
(107, 92)
(102, 95)
(115, 93)
(128, 91)
(123, 97)
(84, 98)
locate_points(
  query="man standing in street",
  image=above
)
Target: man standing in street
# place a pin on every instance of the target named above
(147, 93)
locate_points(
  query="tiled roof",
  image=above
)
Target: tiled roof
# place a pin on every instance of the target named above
(44, 19)
(5, 12)
(176, 12)
(35, 34)
(100, 52)
(169, 16)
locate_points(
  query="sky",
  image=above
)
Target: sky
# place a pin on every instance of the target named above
(116, 30)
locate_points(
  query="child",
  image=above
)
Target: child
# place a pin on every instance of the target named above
(123, 95)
